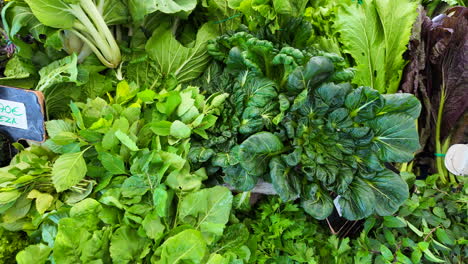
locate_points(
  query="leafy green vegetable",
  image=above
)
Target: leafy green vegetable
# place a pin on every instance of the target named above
(376, 33)
(84, 20)
(308, 132)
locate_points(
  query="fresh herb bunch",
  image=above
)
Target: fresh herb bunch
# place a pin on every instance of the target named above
(430, 227)
(295, 121)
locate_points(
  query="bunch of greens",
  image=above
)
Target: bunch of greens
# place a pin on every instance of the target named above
(432, 223)
(292, 236)
(437, 75)
(111, 232)
(294, 121)
(375, 33)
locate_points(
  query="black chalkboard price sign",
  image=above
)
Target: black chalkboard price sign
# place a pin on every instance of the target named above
(22, 114)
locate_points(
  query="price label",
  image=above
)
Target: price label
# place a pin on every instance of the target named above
(22, 114)
(13, 114)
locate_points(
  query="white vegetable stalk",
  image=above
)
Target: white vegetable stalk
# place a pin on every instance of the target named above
(91, 28)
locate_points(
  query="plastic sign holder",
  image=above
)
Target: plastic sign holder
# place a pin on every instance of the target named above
(22, 114)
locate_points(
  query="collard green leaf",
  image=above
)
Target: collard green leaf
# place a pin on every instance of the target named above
(186, 247)
(68, 170)
(171, 57)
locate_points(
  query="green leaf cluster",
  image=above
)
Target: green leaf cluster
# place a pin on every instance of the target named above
(295, 122)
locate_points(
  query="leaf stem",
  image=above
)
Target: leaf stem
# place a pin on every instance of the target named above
(440, 167)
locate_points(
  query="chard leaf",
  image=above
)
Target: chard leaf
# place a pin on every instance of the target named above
(68, 170)
(171, 57)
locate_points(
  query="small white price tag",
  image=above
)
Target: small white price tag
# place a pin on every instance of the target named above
(337, 205)
(13, 114)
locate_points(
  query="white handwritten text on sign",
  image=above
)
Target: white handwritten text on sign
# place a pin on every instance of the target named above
(13, 114)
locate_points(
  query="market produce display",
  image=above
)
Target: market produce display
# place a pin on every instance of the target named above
(162, 117)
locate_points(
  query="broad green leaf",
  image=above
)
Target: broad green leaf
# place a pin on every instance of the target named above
(126, 140)
(43, 200)
(186, 247)
(207, 210)
(394, 221)
(217, 259)
(386, 253)
(127, 246)
(376, 33)
(52, 13)
(10, 196)
(85, 212)
(113, 163)
(68, 170)
(255, 152)
(402, 103)
(153, 226)
(444, 237)
(235, 236)
(68, 242)
(180, 130)
(283, 178)
(358, 201)
(171, 57)
(54, 127)
(396, 137)
(390, 192)
(19, 210)
(60, 71)
(37, 254)
(317, 203)
(139, 9)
